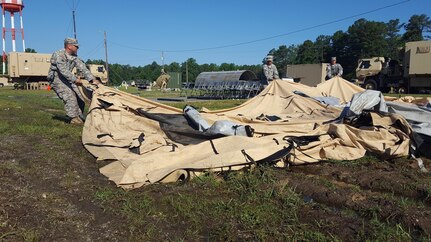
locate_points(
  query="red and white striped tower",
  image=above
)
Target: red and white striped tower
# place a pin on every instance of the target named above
(11, 6)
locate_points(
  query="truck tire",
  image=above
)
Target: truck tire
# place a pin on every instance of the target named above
(1, 85)
(370, 84)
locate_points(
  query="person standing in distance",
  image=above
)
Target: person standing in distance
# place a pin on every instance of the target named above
(65, 83)
(334, 69)
(269, 70)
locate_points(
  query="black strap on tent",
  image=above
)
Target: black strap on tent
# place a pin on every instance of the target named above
(300, 141)
(213, 146)
(248, 157)
(281, 154)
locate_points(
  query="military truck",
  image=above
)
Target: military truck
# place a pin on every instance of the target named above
(4, 80)
(411, 73)
(29, 70)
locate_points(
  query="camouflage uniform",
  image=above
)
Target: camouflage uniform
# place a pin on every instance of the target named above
(270, 72)
(333, 70)
(62, 81)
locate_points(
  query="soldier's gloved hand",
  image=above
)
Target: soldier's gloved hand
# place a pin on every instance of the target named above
(78, 82)
(95, 82)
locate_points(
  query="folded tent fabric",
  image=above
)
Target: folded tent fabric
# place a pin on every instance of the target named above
(168, 148)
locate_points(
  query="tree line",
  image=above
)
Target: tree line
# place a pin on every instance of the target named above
(363, 39)
(189, 70)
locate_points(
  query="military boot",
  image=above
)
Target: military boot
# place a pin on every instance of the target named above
(77, 121)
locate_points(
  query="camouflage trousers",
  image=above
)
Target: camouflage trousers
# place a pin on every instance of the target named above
(73, 102)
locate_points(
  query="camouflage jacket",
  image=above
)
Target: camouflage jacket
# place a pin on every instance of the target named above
(62, 65)
(270, 72)
(334, 70)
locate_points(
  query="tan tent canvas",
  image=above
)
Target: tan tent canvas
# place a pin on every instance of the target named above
(334, 87)
(146, 142)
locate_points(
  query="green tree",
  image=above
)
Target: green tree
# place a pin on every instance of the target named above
(393, 38)
(284, 56)
(192, 68)
(228, 67)
(367, 38)
(339, 48)
(322, 44)
(29, 50)
(307, 53)
(417, 26)
(173, 67)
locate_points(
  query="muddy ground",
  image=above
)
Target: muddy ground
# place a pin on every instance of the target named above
(41, 199)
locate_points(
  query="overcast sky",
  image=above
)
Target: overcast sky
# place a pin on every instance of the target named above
(232, 31)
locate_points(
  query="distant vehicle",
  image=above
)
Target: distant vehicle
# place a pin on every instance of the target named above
(31, 69)
(411, 73)
(189, 85)
(4, 81)
(144, 85)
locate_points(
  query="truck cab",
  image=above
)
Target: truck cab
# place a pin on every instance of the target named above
(380, 73)
(99, 72)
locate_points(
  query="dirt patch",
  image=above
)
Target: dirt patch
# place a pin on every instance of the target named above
(384, 190)
(47, 199)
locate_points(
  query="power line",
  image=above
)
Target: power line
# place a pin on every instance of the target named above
(68, 4)
(93, 50)
(134, 48)
(74, 6)
(271, 37)
(77, 4)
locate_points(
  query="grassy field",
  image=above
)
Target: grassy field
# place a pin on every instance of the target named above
(51, 190)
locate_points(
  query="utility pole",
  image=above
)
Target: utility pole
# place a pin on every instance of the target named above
(163, 59)
(187, 72)
(74, 24)
(106, 56)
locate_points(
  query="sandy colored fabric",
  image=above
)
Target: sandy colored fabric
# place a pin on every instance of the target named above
(334, 87)
(420, 101)
(148, 142)
(339, 88)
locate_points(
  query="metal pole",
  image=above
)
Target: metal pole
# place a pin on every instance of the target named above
(22, 30)
(163, 60)
(74, 24)
(12, 20)
(4, 42)
(187, 73)
(106, 56)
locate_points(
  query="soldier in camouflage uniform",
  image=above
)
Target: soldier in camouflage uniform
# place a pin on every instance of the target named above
(333, 69)
(269, 71)
(64, 82)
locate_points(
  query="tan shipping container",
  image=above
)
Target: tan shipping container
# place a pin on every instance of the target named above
(417, 58)
(307, 74)
(22, 64)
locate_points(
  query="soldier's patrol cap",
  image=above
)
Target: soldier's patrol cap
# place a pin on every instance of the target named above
(269, 58)
(71, 41)
(333, 58)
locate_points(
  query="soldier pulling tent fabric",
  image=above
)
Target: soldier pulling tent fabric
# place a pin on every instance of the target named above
(149, 142)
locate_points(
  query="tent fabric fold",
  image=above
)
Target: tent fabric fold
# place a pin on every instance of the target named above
(146, 142)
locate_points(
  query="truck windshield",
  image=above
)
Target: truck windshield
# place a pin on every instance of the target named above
(364, 65)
